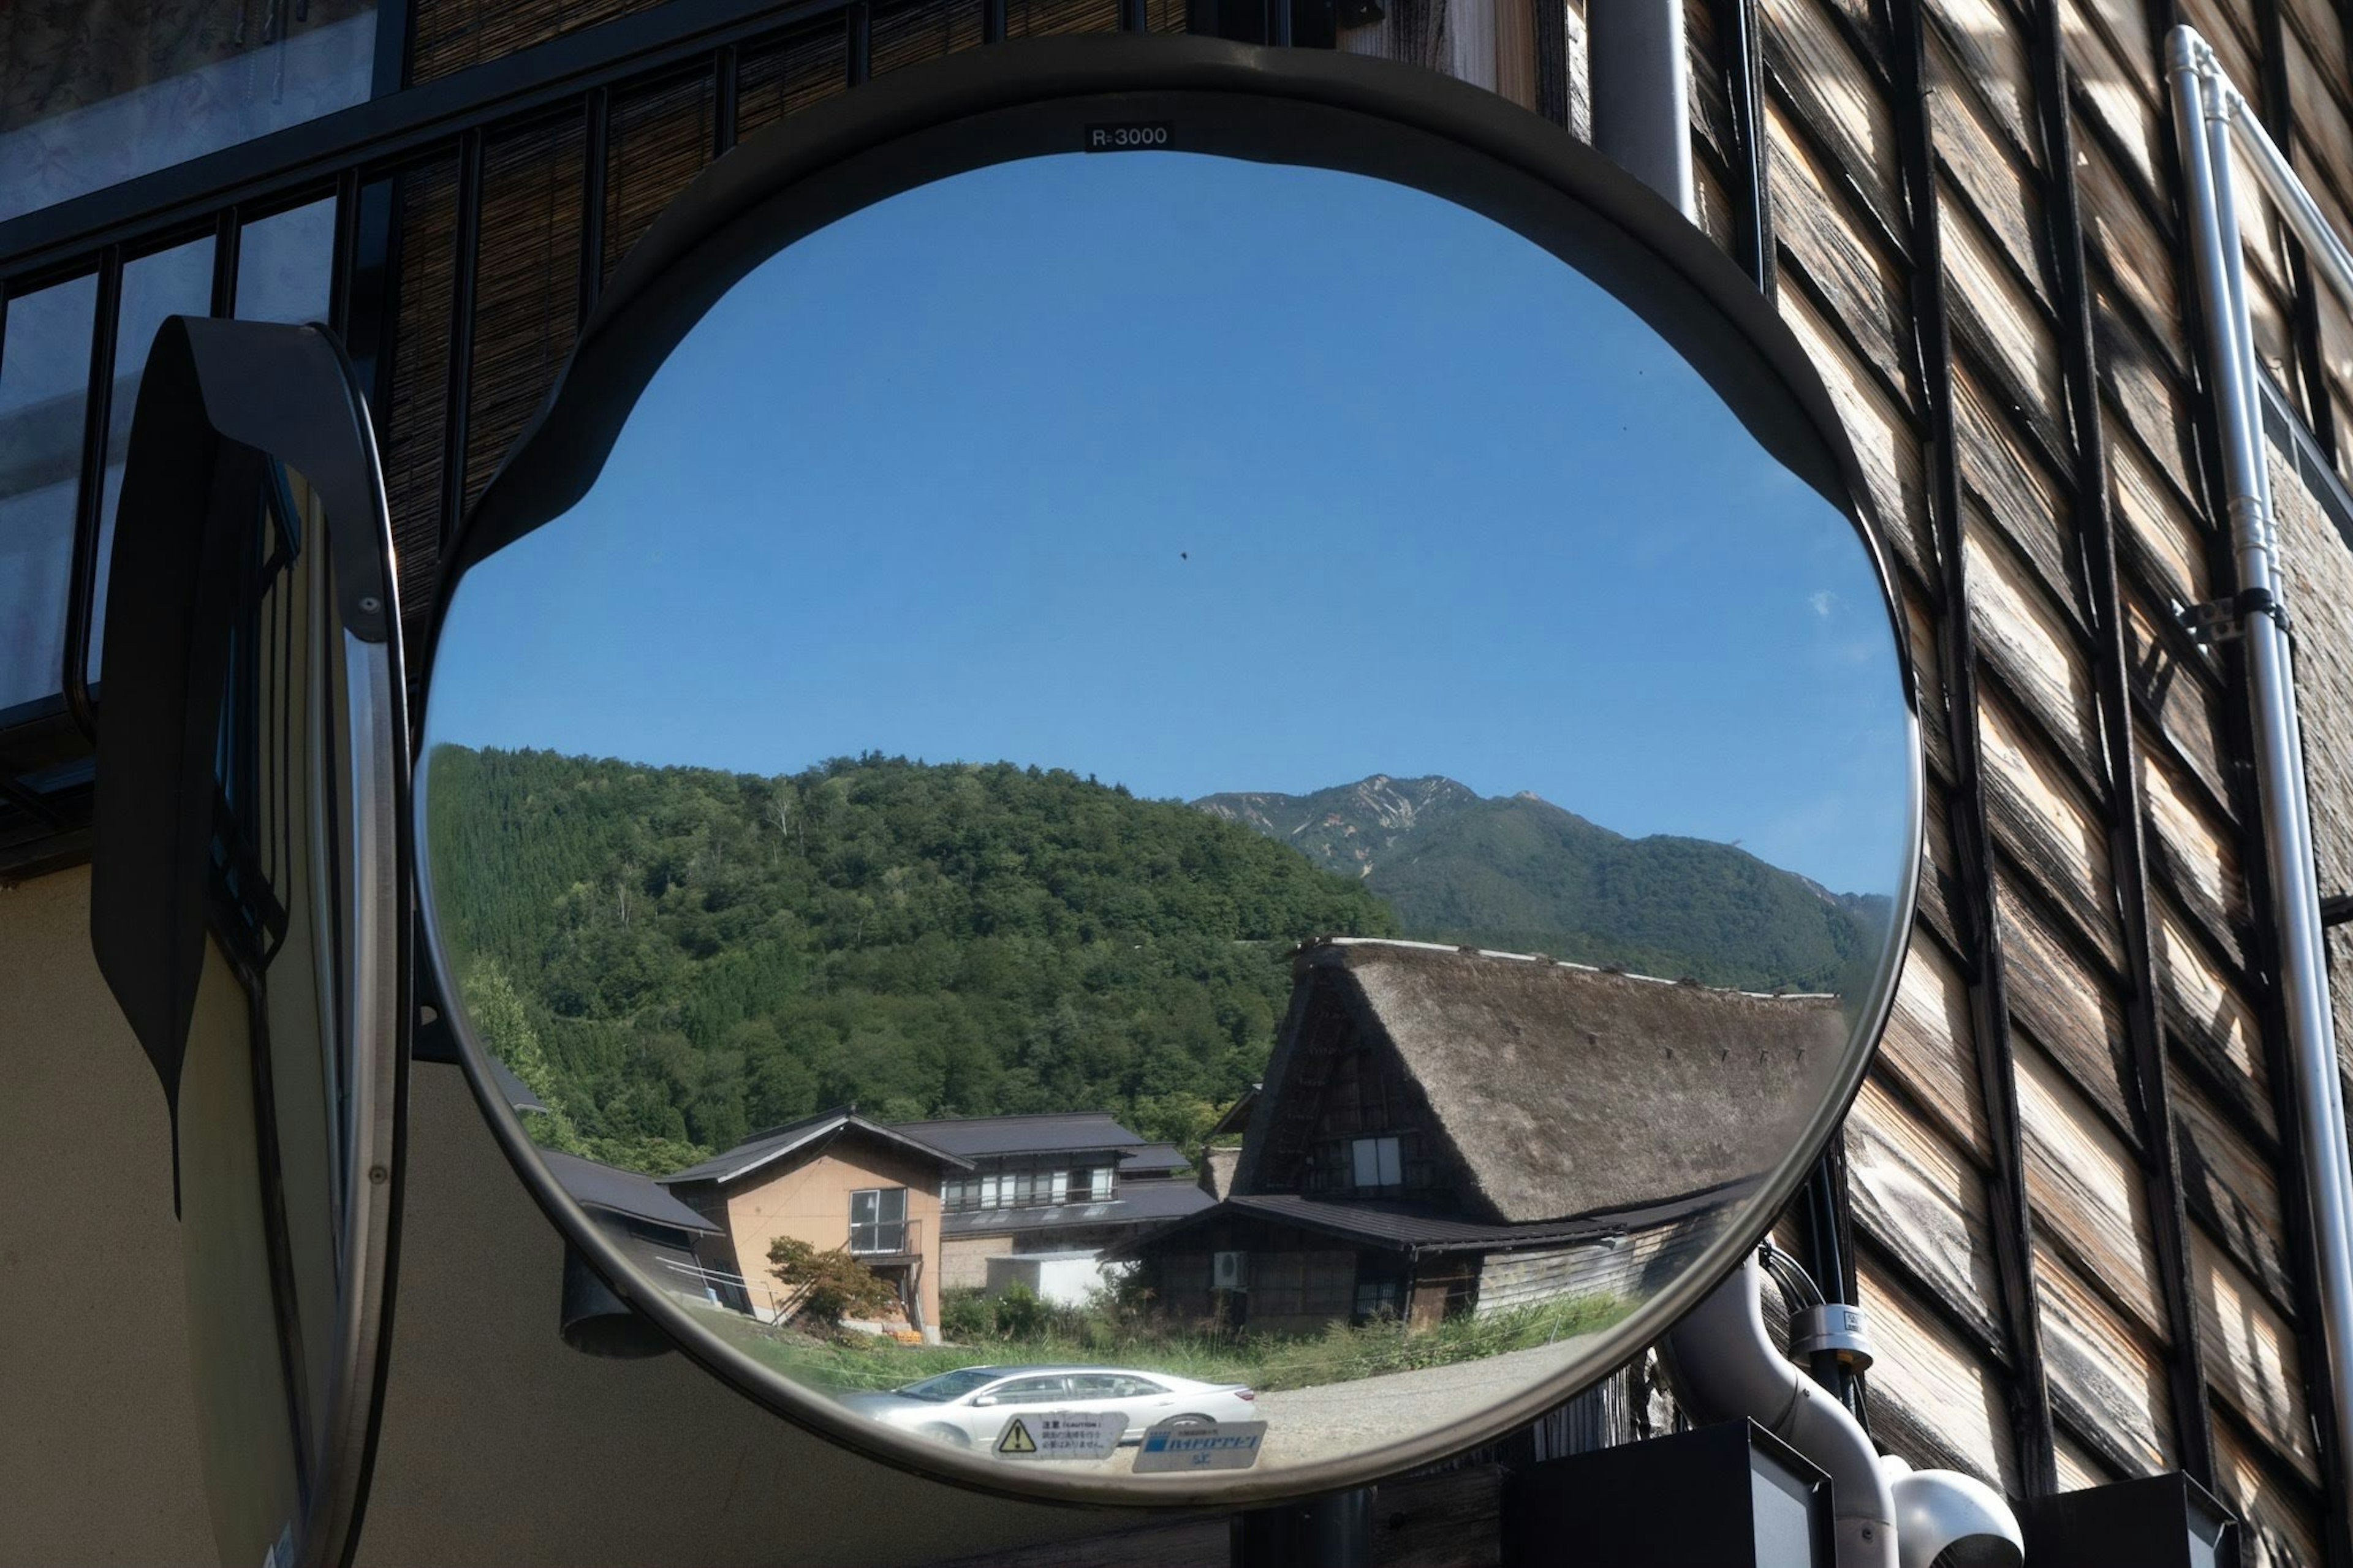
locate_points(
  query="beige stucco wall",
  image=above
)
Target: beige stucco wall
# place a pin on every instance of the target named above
(97, 1437)
(499, 1446)
(810, 1200)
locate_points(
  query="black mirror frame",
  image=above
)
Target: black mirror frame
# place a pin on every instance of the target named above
(993, 104)
(218, 399)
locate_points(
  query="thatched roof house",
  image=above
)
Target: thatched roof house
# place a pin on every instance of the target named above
(1430, 1103)
(1549, 1088)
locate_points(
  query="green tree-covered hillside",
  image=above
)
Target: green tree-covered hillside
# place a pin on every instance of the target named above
(672, 957)
(1519, 873)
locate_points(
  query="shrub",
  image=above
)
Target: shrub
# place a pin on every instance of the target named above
(967, 1316)
(828, 1286)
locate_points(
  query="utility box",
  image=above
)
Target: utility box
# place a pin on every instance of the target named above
(2161, 1521)
(1728, 1496)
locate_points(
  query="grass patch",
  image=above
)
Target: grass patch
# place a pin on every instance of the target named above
(1084, 1337)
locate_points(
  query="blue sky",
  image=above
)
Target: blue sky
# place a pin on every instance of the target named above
(1198, 475)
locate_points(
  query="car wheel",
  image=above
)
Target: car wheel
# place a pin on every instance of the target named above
(953, 1436)
(1192, 1420)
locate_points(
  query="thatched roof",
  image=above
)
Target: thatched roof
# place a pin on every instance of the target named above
(1566, 1090)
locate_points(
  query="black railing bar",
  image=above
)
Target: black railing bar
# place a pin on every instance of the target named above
(725, 84)
(1135, 17)
(859, 56)
(992, 21)
(89, 495)
(347, 255)
(228, 229)
(384, 131)
(597, 149)
(459, 378)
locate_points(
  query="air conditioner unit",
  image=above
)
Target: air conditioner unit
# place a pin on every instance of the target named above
(1229, 1272)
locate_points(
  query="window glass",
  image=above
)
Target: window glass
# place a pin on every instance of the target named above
(95, 93)
(1058, 1187)
(175, 282)
(1100, 1183)
(877, 1218)
(44, 387)
(285, 264)
(1376, 1162)
(1032, 1391)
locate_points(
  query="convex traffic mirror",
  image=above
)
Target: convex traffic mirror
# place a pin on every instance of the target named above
(1174, 773)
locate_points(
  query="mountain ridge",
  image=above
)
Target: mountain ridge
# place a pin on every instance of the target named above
(1519, 872)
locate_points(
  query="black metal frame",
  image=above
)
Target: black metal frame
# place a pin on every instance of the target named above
(1332, 111)
(1973, 908)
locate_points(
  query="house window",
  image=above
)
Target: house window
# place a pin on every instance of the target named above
(1377, 1298)
(878, 1220)
(1375, 1164)
(1058, 1186)
(1102, 1185)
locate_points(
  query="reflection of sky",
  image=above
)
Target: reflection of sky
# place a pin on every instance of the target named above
(1204, 476)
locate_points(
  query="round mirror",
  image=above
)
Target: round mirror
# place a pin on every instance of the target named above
(1180, 823)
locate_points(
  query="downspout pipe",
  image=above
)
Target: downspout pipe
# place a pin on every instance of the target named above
(1641, 75)
(1726, 1365)
(2205, 108)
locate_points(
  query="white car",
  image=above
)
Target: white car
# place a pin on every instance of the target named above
(971, 1406)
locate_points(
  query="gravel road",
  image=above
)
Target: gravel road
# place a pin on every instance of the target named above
(1308, 1423)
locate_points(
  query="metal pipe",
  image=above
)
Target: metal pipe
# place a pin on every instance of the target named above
(2321, 243)
(2207, 109)
(1726, 1365)
(1640, 74)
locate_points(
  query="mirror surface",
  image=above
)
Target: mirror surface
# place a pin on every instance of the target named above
(1158, 789)
(280, 1097)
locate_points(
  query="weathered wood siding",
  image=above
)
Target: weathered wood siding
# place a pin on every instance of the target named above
(2146, 1124)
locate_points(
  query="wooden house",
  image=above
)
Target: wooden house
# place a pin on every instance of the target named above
(1069, 1184)
(1446, 1130)
(838, 1181)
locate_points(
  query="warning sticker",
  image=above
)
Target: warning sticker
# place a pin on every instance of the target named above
(1200, 1445)
(1060, 1435)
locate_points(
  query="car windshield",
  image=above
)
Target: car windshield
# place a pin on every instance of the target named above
(950, 1384)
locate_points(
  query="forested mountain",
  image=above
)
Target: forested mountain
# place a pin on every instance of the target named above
(1521, 874)
(674, 957)
(671, 957)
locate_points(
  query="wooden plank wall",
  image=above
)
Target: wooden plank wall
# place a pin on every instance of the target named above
(2083, 982)
(2073, 1210)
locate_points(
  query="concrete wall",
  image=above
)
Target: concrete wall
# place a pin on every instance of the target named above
(499, 1444)
(964, 1259)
